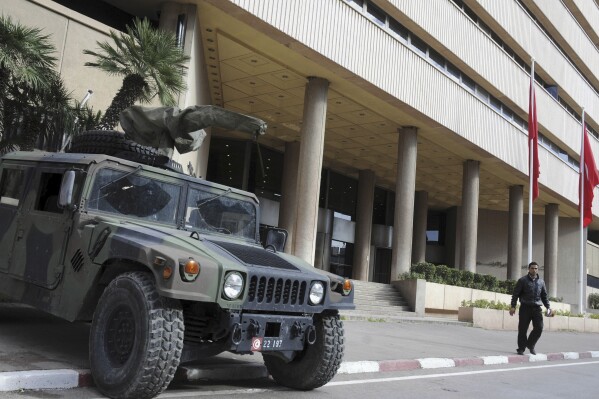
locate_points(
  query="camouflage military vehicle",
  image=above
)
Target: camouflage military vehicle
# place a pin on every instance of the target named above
(167, 267)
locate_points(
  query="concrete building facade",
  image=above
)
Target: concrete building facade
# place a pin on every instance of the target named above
(397, 128)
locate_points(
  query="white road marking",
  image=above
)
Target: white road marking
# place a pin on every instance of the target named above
(457, 374)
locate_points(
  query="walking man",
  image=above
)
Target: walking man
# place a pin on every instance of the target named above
(532, 293)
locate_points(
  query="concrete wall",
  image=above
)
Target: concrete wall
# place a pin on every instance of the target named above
(70, 33)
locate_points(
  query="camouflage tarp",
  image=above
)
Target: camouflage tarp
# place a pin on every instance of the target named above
(165, 128)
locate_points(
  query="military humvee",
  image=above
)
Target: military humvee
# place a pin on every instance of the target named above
(167, 267)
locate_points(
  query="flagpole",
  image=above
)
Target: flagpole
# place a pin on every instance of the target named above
(530, 169)
(581, 195)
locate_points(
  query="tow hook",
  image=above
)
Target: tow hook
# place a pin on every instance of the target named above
(253, 328)
(236, 334)
(296, 329)
(310, 335)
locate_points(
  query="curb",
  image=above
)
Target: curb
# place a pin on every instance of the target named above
(66, 379)
(436, 363)
(44, 379)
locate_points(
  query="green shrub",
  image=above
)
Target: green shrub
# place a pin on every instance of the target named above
(594, 316)
(555, 299)
(594, 301)
(490, 283)
(478, 282)
(568, 313)
(427, 269)
(453, 277)
(485, 304)
(442, 273)
(508, 286)
(466, 279)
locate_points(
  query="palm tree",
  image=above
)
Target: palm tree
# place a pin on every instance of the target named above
(26, 56)
(36, 110)
(150, 62)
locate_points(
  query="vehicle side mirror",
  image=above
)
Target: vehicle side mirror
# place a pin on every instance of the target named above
(276, 239)
(65, 199)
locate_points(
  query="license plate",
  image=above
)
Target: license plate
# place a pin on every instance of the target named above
(266, 344)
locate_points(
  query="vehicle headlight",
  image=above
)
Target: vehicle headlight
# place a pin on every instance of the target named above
(316, 293)
(233, 285)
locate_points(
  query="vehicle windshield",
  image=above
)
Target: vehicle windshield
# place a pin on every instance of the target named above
(132, 195)
(211, 211)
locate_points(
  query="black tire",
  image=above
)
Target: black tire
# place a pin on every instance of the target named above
(112, 142)
(317, 364)
(136, 338)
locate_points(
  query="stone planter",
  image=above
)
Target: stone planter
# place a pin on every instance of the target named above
(591, 325)
(557, 323)
(489, 319)
(576, 323)
(440, 298)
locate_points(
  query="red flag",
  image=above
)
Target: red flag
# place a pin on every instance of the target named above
(591, 180)
(533, 140)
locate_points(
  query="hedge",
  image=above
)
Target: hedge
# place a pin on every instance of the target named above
(463, 278)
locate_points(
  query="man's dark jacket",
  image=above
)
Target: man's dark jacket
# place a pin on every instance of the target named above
(530, 292)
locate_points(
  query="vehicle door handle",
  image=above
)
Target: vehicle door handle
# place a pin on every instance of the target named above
(20, 233)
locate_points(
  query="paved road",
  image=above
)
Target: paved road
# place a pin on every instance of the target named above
(32, 340)
(575, 380)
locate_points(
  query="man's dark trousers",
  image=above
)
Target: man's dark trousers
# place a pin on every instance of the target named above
(528, 313)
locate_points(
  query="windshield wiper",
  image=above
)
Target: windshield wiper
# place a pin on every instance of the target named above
(199, 204)
(121, 178)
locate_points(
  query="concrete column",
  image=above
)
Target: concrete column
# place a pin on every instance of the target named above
(324, 238)
(403, 220)
(470, 190)
(309, 168)
(289, 191)
(551, 242)
(196, 76)
(364, 209)
(514, 239)
(420, 222)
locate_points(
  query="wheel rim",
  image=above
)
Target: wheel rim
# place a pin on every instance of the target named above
(120, 335)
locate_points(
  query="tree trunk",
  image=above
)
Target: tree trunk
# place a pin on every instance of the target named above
(130, 92)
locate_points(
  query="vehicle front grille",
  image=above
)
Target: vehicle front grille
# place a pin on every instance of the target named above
(277, 291)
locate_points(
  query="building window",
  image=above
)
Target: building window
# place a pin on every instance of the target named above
(341, 194)
(266, 173)
(398, 29)
(379, 211)
(342, 258)
(375, 14)
(418, 44)
(226, 162)
(435, 228)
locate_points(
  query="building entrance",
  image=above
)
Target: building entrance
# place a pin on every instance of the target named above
(382, 266)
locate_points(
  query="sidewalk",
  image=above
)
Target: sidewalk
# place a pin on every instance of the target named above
(38, 351)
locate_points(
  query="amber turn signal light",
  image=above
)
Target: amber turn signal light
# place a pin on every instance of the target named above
(347, 286)
(167, 272)
(190, 270)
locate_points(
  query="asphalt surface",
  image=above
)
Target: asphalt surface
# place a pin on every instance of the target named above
(31, 340)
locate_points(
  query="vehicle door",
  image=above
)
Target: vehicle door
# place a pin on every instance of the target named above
(42, 232)
(13, 183)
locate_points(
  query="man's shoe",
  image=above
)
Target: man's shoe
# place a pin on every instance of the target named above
(532, 351)
(520, 352)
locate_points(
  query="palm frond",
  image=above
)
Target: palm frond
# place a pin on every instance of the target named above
(149, 53)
